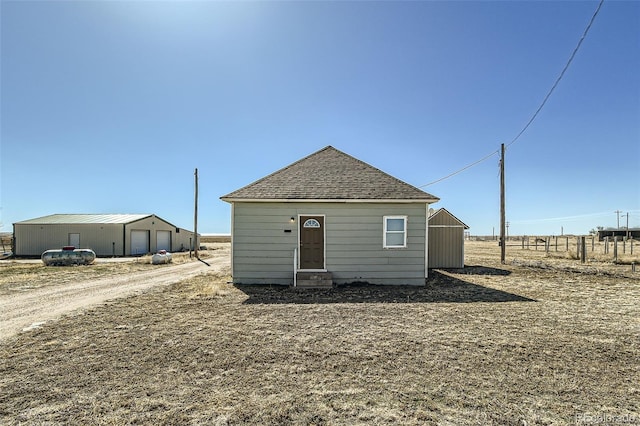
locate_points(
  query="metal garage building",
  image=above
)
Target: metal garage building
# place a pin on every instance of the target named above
(105, 234)
(446, 240)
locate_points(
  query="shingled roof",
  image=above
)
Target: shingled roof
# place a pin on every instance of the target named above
(329, 174)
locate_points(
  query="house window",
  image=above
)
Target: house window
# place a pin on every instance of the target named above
(395, 232)
(311, 223)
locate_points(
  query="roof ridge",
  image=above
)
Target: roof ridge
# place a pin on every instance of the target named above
(329, 173)
(374, 167)
(450, 214)
(289, 166)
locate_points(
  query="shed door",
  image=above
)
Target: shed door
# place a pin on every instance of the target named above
(139, 242)
(311, 242)
(163, 240)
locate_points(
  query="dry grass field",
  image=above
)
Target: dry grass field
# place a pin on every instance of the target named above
(542, 339)
(19, 276)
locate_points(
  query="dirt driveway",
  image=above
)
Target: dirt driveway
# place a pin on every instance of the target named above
(32, 308)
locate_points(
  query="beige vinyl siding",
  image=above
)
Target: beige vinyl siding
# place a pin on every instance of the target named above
(263, 251)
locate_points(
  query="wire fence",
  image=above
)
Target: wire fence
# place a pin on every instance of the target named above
(615, 249)
(584, 247)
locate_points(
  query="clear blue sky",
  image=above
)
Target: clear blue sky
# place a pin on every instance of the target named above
(109, 106)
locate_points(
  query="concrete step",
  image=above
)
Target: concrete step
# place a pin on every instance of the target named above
(314, 279)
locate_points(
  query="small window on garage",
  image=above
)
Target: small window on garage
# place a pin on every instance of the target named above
(395, 232)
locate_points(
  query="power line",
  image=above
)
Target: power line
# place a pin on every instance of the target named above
(462, 169)
(535, 114)
(573, 54)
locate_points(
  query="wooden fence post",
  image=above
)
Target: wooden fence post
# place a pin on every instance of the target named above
(567, 244)
(606, 245)
(615, 249)
(593, 243)
(583, 252)
(536, 242)
(578, 240)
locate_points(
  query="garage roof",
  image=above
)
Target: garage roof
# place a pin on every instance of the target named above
(85, 218)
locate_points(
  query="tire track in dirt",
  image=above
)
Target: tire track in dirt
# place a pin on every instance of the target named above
(20, 311)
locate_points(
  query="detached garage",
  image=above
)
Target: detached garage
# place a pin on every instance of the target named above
(105, 234)
(446, 240)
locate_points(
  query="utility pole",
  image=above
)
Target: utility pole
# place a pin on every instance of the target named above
(195, 218)
(627, 233)
(617, 212)
(502, 208)
(627, 216)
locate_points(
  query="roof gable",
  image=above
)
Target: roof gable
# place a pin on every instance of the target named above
(443, 216)
(329, 174)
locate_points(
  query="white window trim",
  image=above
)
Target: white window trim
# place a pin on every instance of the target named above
(384, 232)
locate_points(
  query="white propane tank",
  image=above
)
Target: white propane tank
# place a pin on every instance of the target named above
(68, 256)
(161, 257)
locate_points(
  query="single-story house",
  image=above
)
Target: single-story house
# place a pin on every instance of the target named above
(332, 215)
(105, 234)
(446, 240)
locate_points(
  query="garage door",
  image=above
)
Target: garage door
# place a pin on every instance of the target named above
(163, 240)
(139, 242)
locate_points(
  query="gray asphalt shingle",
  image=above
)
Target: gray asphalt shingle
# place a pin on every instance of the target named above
(329, 174)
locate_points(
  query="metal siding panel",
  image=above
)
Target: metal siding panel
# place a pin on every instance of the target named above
(446, 247)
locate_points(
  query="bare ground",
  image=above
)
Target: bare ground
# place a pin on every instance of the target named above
(32, 294)
(539, 340)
